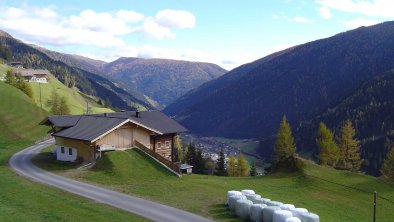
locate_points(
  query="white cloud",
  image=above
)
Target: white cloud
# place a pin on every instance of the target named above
(355, 23)
(45, 26)
(379, 8)
(300, 19)
(325, 12)
(130, 16)
(153, 29)
(175, 19)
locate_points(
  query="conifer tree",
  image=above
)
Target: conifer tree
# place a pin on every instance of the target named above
(221, 170)
(284, 144)
(243, 166)
(10, 78)
(329, 152)
(349, 148)
(58, 104)
(388, 166)
(232, 169)
(253, 170)
(63, 107)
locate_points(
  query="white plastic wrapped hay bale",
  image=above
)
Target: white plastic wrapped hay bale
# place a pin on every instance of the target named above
(233, 200)
(253, 197)
(287, 206)
(242, 208)
(293, 219)
(268, 213)
(281, 215)
(246, 192)
(231, 193)
(265, 200)
(309, 217)
(274, 203)
(257, 201)
(256, 212)
(298, 211)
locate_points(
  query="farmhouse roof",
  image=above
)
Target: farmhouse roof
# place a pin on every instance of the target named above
(92, 127)
(31, 72)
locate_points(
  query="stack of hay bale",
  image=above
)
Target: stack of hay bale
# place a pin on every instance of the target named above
(248, 205)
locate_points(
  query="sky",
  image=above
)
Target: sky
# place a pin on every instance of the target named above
(225, 32)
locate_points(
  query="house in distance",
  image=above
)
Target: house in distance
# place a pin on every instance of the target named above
(33, 75)
(84, 137)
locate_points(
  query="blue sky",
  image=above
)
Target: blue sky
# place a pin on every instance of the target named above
(226, 32)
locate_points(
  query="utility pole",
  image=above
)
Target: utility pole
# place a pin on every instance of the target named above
(374, 206)
(87, 107)
(39, 84)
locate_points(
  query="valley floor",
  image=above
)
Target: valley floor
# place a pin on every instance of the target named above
(334, 195)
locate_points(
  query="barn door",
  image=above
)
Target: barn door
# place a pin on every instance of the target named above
(125, 138)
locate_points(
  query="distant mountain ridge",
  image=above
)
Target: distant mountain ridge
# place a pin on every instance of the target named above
(300, 83)
(164, 80)
(86, 81)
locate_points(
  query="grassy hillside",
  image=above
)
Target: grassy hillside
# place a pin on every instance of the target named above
(76, 100)
(334, 195)
(24, 200)
(3, 69)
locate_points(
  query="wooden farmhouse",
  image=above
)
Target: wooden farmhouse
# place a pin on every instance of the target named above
(84, 137)
(32, 75)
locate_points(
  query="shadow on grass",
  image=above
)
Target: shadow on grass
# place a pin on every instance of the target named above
(105, 165)
(47, 161)
(220, 212)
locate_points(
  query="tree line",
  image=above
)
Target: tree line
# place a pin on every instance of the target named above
(5, 52)
(234, 166)
(341, 152)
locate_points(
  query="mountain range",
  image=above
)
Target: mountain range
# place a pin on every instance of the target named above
(324, 78)
(163, 80)
(128, 83)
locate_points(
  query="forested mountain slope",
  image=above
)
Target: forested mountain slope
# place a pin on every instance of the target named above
(301, 83)
(163, 80)
(87, 82)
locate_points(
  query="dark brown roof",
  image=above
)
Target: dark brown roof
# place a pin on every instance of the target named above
(90, 127)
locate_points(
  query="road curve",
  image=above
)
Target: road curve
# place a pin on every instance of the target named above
(21, 164)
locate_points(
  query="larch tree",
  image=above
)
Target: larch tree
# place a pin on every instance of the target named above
(232, 168)
(328, 149)
(350, 157)
(243, 166)
(387, 169)
(58, 104)
(63, 106)
(284, 145)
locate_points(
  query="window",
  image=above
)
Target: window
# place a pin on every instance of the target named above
(167, 144)
(70, 151)
(62, 149)
(158, 144)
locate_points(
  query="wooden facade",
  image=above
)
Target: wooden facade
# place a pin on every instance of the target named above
(125, 136)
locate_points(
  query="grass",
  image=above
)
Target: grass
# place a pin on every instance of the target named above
(334, 195)
(3, 69)
(75, 99)
(24, 200)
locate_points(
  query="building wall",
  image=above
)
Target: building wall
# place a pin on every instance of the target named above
(120, 138)
(163, 145)
(65, 156)
(142, 135)
(84, 150)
